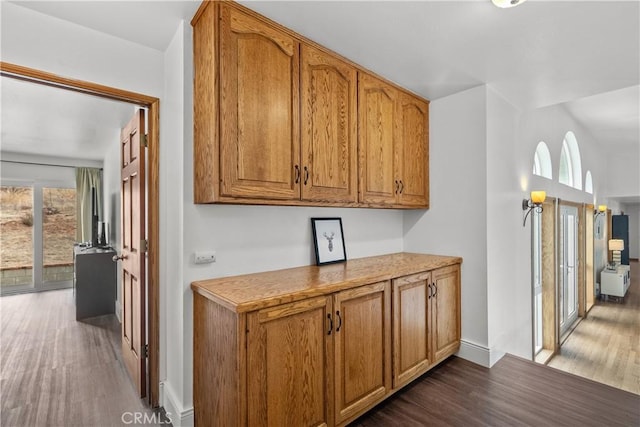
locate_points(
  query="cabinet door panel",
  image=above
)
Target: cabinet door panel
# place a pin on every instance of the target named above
(413, 147)
(259, 108)
(446, 311)
(411, 323)
(284, 345)
(377, 138)
(362, 348)
(329, 144)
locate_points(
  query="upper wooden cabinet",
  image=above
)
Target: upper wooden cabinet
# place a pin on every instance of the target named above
(279, 119)
(329, 127)
(394, 145)
(259, 108)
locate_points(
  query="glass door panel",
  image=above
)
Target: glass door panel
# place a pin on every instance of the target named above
(568, 267)
(16, 238)
(58, 233)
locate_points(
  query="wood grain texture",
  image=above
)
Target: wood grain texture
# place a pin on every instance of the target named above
(153, 192)
(604, 346)
(411, 327)
(55, 371)
(329, 127)
(413, 151)
(217, 389)
(288, 364)
(362, 348)
(206, 152)
(260, 290)
(377, 139)
(259, 108)
(513, 392)
(550, 338)
(445, 308)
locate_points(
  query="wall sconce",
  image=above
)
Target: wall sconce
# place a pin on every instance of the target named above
(600, 211)
(616, 245)
(536, 201)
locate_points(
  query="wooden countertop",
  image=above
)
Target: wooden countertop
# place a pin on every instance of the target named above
(250, 292)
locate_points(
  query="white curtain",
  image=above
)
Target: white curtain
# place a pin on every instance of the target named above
(86, 179)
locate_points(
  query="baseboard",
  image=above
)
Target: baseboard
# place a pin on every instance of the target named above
(478, 354)
(178, 415)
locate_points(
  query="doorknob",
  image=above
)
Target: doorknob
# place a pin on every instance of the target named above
(117, 258)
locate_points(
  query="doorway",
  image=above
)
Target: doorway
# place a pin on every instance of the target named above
(568, 263)
(152, 104)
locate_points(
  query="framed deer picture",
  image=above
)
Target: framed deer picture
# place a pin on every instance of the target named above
(328, 240)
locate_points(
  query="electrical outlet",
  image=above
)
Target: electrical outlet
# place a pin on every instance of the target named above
(205, 257)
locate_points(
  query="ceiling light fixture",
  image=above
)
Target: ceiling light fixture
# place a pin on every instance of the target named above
(507, 3)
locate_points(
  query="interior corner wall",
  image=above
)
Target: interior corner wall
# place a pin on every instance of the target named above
(623, 173)
(508, 241)
(456, 223)
(111, 179)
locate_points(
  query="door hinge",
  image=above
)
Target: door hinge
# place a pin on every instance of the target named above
(144, 245)
(144, 140)
(145, 350)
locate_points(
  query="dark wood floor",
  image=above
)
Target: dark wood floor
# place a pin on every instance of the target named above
(515, 392)
(55, 371)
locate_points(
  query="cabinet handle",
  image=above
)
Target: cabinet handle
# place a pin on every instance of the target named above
(401, 186)
(339, 321)
(297, 169)
(306, 175)
(429, 286)
(435, 290)
(330, 324)
(397, 186)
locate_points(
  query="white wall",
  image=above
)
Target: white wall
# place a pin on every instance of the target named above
(456, 223)
(508, 242)
(633, 211)
(623, 177)
(111, 180)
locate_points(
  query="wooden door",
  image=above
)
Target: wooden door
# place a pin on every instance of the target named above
(411, 326)
(133, 254)
(329, 128)
(362, 318)
(445, 304)
(259, 109)
(377, 120)
(413, 151)
(289, 365)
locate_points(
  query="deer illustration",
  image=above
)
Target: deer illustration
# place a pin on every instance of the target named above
(330, 240)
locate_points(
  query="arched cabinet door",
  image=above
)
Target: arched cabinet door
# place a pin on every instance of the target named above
(259, 108)
(329, 127)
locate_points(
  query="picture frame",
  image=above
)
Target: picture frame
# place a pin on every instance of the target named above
(328, 240)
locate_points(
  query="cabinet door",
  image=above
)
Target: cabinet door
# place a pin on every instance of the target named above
(413, 149)
(445, 303)
(288, 365)
(259, 108)
(411, 325)
(362, 348)
(329, 128)
(377, 138)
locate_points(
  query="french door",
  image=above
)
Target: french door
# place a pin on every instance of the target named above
(568, 301)
(536, 219)
(37, 233)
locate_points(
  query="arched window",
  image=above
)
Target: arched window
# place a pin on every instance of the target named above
(588, 183)
(542, 161)
(570, 172)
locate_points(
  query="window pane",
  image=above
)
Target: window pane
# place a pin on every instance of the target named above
(58, 233)
(16, 237)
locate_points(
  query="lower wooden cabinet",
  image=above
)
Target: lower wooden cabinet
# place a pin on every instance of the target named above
(321, 360)
(362, 348)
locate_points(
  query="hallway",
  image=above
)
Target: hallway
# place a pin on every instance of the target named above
(605, 347)
(56, 371)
